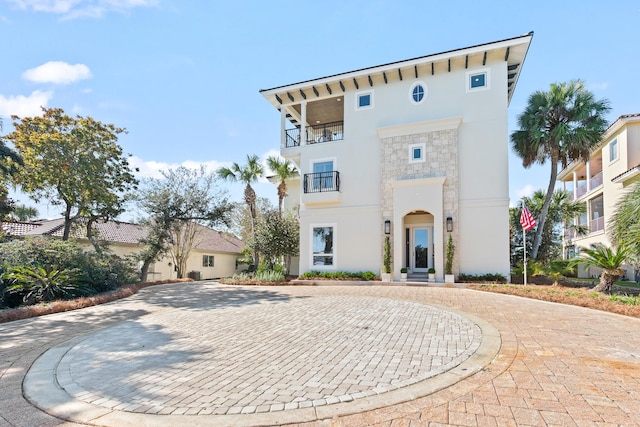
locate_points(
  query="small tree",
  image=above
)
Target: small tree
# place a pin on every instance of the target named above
(387, 255)
(448, 267)
(182, 196)
(277, 237)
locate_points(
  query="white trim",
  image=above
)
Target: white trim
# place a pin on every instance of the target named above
(419, 127)
(334, 248)
(423, 147)
(611, 160)
(487, 79)
(424, 97)
(362, 93)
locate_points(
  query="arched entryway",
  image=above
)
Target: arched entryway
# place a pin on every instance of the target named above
(418, 242)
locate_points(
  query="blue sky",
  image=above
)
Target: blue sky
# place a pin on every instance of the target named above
(183, 76)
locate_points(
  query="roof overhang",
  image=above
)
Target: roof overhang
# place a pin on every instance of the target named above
(513, 51)
(614, 128)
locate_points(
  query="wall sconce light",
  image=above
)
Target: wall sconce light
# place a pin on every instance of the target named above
(387, 227)
(449, 224)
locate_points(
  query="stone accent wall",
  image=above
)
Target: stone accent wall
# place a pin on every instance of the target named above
(441, 154)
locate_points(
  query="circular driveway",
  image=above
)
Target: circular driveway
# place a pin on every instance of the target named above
(203, 354)
(224, 362)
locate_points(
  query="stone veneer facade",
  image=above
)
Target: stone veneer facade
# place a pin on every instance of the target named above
(441, 159)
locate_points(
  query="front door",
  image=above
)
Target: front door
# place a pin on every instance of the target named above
(420, 255)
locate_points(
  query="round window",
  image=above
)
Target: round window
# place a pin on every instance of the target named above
(418, 92)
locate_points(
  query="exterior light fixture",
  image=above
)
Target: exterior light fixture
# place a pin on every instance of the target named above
(387, 227)
(449, 224)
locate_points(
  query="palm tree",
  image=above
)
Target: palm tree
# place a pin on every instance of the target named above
(246, 174)
(609, 260)
(625, 221)
(561, 125)
(284, 170)
(23, 212)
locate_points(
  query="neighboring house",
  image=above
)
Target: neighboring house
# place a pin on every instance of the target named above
(215, 253)
(600, 182)
(411, 149)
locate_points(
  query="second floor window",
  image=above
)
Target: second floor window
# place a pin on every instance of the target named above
(613, 150)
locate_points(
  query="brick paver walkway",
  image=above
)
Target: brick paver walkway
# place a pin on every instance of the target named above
(297, 354)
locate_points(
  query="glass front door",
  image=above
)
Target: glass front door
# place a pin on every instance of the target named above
(420, 250)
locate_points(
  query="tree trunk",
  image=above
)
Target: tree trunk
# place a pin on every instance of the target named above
(545, 206)
(67, 222)
(607, 280)
(144, 271)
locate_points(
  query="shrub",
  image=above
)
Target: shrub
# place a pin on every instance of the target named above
(269, 276)
(482, 278)
(40, 284)
(101, 272)
(339, 275)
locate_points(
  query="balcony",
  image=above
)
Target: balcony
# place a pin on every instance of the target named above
(321, 182)
(321, 188)
(322, 132)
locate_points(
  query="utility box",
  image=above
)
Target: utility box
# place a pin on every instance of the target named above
(195, 275)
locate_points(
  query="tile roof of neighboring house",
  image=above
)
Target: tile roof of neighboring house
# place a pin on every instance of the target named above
(18, 228)
(627, 174)
(121, 232)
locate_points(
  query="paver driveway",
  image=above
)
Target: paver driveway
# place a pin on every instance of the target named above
(351, 355)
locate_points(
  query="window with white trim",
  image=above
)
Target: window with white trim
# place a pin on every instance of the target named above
(364, 100)
(323, 249)
(613, 150)
(417, 153)
(418, 92)
(208, 260)
(478, 80)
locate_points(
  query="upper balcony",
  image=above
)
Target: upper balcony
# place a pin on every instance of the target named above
(585, 178)
(311, 122)
(323, 132)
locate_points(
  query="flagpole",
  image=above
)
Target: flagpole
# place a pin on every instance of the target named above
(524, 247)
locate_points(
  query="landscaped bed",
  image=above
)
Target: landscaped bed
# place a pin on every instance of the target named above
(620, 302)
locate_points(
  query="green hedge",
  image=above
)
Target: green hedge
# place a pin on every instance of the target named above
(339, 275)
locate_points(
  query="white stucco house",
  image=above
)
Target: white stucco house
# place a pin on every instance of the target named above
(413, 150)
(599, 183)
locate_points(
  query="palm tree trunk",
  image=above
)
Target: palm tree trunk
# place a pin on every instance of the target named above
(545, 206)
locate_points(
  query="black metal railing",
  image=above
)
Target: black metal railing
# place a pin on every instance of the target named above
(320, 182)
(325, 132)
(292, 137)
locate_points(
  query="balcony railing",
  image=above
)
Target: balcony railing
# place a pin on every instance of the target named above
(292, 137)
(594, 182)
(320, 182)
(569, 234)
(325, 132)
(596, 224)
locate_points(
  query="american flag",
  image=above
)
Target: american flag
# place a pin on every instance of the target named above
(526, 219)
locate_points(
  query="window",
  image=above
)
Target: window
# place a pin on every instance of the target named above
(596, 210)
(613, 150)
(207, 260)
(416, 153)
(323, 176)
(418, 92)
(364, 100)
(478, 80)
(323, 249)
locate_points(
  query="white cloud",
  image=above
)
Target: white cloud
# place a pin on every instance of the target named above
(57, 72)
(24, 106)
(70, 9)
(526, 191)
(152, 169)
